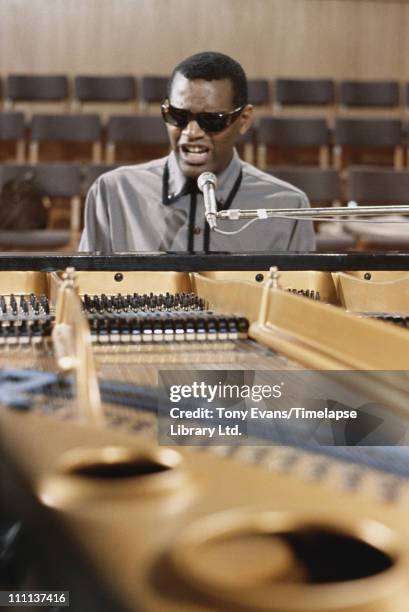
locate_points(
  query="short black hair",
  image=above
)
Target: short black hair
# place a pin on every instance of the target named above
(214, 66)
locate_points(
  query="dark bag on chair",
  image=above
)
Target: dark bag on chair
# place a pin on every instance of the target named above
(22, 205)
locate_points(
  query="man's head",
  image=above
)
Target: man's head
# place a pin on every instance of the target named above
(207, 82)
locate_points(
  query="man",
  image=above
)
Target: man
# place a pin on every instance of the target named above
(156, 206)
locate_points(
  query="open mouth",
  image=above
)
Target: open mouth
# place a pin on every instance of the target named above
(194, 154)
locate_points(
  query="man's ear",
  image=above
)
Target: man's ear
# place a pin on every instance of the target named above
(246, 118)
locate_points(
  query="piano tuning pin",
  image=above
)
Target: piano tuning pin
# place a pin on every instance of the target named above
(243, 326)
(3, 305)
(157, 329)
(12, 334)
(103, 333)
(190, 330)
(87, 303)
(43, 300)
(24, 336)
(200, 330)
(113, 327)
(24, 306)
(36, 333)
(135, 329)
(179, 330)
(93, 323)
(3, 334)
(221, 328)
(97, 304)
(13, 305)
(211, 329)
(147, 331)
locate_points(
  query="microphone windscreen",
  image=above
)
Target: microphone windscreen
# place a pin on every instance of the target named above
(206, 177)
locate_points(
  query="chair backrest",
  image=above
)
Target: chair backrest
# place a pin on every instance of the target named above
(368, 132)
(407, 95)
(304, 92)
(153, 88)
(136, 129)
(322, 186)
(248, 137)
(105, 88)
(327, 243)
(12, 126)
(378, 186)
(34, 239)
(53, 180)
(369, 93)
(258, 92)
(28, 88)
(292, 131)
(91, 172)
(65, 127)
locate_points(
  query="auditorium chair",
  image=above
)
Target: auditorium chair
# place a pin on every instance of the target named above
(70, 131)
(91, 172)
(94, 89)
(304, 94)
(322, 186)
(37, 240)
(369, 96)
(12, 131)
(383, 186)
(406, 97)
(245, 145)
(378, 186)
(153, 90)
(36, 88)
(368, 141)
(58, 183)
(259, 92)
(142, 137)
(292, 140)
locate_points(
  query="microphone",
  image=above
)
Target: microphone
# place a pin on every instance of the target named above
(207, 183)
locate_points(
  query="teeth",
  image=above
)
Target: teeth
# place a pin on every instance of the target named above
(196, 149)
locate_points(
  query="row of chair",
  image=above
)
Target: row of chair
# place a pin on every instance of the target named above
(323, 186)
(274, 139)
(364, 185)
(79, 128)
(153, 89)
(62, 181)
(72, 181)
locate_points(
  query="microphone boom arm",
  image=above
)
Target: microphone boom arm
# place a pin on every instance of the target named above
(311, 213)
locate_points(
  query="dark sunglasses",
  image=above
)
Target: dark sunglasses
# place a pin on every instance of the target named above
(208, 122)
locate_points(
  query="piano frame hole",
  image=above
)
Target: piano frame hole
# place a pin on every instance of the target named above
(119, 462)
(327, 558)
(103, 471)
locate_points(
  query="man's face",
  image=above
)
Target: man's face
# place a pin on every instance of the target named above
(197, 151)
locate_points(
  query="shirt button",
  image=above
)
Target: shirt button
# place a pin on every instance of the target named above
(197, 231)
(170, 196)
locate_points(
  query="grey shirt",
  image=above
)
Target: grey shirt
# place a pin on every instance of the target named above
(145, 208)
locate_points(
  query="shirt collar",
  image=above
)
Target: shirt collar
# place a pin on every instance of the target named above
(225, 180)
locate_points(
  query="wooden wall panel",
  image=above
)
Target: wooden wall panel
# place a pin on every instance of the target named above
(338, 38)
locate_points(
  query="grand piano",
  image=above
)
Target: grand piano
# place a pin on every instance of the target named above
(98, 500)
